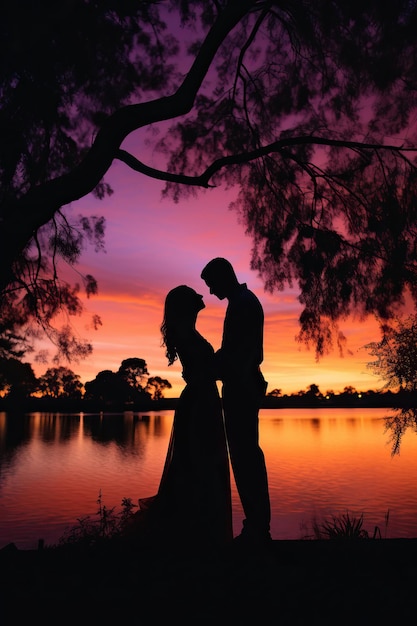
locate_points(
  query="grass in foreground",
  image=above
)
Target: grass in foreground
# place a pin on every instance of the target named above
(108, 524)
(345, 526)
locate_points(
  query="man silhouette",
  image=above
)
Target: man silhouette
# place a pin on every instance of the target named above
(238, 367)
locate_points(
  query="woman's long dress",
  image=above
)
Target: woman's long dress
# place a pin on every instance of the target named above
(193, 503)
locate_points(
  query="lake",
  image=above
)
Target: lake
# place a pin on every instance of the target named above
(321, 462)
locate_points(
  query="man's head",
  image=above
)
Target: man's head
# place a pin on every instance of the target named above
(220, 277)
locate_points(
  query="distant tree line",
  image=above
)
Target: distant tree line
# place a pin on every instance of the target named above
(131, 384)
(349, 397)
(395, 362)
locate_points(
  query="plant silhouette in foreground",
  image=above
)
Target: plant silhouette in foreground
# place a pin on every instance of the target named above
(107, 524)
(344, 526)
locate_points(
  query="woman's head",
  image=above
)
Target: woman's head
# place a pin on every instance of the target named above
(182, 305)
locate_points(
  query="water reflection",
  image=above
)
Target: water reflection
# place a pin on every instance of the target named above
(108, 428)
(126, 430)
(315, 424)
(320, 462)
(53, 427)
(14, 430)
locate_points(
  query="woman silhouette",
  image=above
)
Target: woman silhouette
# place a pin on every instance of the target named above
(193, 503)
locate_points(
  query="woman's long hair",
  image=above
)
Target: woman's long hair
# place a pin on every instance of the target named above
(176, 311)
(168, 340)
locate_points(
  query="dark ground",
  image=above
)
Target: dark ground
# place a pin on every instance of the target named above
(362, 582)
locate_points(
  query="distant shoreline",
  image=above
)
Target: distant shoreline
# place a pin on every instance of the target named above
(59, 405)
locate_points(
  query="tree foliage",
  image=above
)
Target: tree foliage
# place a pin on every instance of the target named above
(60, 382)
(130, 383)
(156, 386)
(134, 371)
(17, 379)
(64, 67)
(398, 423)
(396, 366)
(306, 108)
(123, 386)
(396, 355)
(107, 387)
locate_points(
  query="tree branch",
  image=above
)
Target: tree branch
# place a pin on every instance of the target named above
(23, 217)
(203, 179)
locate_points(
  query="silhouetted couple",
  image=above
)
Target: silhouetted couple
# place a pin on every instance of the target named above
(193, 504)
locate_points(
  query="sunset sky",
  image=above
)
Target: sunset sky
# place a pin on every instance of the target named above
(152, 245)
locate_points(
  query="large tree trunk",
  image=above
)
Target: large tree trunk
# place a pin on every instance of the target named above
(22, 218)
